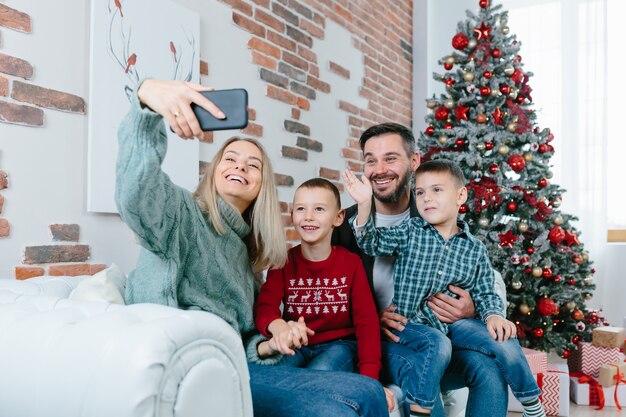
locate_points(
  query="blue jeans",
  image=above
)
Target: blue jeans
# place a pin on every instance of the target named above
(472, 334)
(417, 363)
(336, 355)
(281, 391)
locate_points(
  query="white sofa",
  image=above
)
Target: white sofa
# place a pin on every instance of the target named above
(68, 358)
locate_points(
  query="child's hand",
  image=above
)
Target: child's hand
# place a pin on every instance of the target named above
(500, 328)
(290, 335)
(391, 403)
(359, 190)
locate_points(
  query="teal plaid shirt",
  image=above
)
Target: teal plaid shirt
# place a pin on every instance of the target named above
(426, 264)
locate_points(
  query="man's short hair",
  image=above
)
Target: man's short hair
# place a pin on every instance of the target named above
(408, 140)
(443, 165)
(325, 184)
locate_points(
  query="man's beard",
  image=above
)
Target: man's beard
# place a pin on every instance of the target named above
(396, 194)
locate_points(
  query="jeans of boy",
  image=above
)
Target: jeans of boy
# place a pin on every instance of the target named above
(472, 334)
(281, 391)
(488, 394)
(336, 355)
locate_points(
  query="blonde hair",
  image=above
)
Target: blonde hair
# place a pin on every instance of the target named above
(266, 245)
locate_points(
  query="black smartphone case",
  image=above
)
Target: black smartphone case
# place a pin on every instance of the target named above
(234, 104)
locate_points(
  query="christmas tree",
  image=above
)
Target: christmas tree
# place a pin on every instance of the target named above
(486, 123)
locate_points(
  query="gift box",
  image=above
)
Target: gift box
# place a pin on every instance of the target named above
(589, 358)
(612, 374)
(585, 390)
(554, 385)
(538, 361)
(610, 337)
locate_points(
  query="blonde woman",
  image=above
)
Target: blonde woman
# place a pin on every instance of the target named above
(202, 250)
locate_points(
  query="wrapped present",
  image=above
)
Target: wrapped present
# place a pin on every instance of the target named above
(607, 336)
(554, 385)
(589, 358)
(612, 374)
(538, 361)
(585, 390)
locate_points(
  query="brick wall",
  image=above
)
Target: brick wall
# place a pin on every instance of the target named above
(283, 34)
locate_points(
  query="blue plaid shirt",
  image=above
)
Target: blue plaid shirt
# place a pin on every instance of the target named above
(426, 264)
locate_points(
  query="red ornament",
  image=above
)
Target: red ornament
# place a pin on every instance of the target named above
(487, 74)
(448, 66)
(505, 89)
(556, 235)
(530, 250)
(459, 142)
(538, 332)
(507, 239)
(543, 148)
(460, 41)
(463, 209)
(550, 137)
(516, 162)
(547, 273)
(497, 116)
(542, 183)
(572, 281)
(571, 238)
(482, 31)
(461, 112)
(520, 99)
(481, 118)
(578, 315)
(493, 168)
(430, 130)
(441, 113)
(545, 306)
(511, 207)
(565, 354)
(576, 339)
(483, 4)
(449, 82)
(518, 58)
(448, 126)
(577, 259)
(485, 90)
(557, 278)
(496, 53)
(527, 270)
(517, 76)
(488, 146)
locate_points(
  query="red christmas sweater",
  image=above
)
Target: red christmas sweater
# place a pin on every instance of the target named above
(332, 295)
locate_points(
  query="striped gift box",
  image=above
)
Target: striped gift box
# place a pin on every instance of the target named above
(589, 358)
(538, 361)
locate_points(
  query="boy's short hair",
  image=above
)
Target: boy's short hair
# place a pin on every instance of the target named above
(443, 165)
(325, 184)
(408, 140)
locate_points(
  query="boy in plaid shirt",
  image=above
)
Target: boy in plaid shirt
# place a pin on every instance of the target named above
(433, 252)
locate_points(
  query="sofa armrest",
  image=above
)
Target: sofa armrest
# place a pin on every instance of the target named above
(73, 358)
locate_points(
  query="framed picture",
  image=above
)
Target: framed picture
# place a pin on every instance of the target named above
(132, 41)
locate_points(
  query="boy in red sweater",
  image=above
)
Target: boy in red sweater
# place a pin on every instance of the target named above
(329, 320)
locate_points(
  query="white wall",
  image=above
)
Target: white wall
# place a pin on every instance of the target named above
(433, 38)
(47, 166)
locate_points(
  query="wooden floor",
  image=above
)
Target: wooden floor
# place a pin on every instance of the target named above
(586, 411)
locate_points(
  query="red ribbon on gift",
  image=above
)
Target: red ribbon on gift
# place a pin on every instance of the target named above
(618, 377)
(594, 388)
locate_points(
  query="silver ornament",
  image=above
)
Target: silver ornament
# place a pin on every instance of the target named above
(587, 296)
(505, 30)
(449, 103)
(495, 92)
(472, 43)
(588, 280)
(516, 285)
(483, 222)
(480, 146)
(522, 227)
(471, 88)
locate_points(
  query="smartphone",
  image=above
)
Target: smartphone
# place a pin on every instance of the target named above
(234, 104)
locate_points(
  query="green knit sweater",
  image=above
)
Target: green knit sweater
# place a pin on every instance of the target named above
(183, 262)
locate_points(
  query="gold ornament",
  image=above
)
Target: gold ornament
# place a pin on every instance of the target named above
(588, 280)
(509, 70)
(449, 103)
(468, 76)
(571, 305)
(443, 139)
(511, 127)
(503, 150)
(450, 60)
(431, 104)
(587, 296)
(480, 146)
(513, 92)
(495, 92)
(505, 30)
(528, 156)
(524, 309)
(558, 220)
(537, 272)
(522, 226)
(483, 222)
(585, 256)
